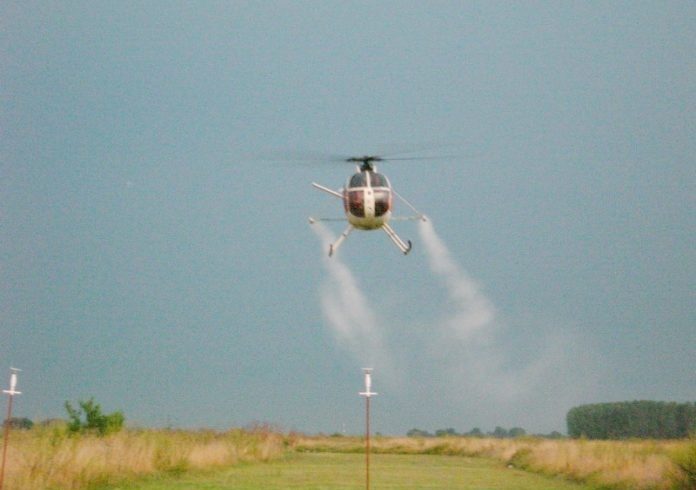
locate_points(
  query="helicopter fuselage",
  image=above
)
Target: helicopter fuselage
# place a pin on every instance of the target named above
(367, 200)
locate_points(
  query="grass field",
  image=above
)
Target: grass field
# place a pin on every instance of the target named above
(51, 458)
(633, 464)
(315, 471)
(259, 457)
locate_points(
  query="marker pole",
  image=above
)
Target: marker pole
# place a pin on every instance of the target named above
(367, 442)
(367, 394)
(11, 392)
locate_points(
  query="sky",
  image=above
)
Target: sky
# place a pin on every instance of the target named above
(155, 169)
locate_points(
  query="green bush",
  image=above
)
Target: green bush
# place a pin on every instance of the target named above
(94, 420)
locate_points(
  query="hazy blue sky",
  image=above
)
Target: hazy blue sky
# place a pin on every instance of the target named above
(151, 257)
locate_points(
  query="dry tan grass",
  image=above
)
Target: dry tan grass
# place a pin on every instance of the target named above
(50, 458)
(637, 465)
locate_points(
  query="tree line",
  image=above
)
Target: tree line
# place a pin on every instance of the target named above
(636, 419)
(497, 433)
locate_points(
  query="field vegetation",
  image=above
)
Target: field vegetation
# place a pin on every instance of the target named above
(346, 471)
(634, 464)
(56, 458)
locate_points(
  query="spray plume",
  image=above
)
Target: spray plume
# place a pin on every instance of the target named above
(470, 338)
(348, 311)
(474, 311)
(466, 346)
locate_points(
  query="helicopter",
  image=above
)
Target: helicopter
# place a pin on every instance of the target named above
(367, 202)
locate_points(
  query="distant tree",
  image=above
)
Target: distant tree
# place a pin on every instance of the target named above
(446, 433)
(475, 432)
(418, 433)
(499, 433)
(94, 420)
(517, 432)
(20, 423)
(641, 419)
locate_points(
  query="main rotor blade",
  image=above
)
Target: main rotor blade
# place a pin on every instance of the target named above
(423, 150)
(320, 157)
(418, 158)
(301, 156)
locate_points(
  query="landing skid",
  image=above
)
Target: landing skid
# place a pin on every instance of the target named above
(404, 247)
(334, 246)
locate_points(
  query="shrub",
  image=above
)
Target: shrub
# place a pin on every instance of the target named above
(94, 419)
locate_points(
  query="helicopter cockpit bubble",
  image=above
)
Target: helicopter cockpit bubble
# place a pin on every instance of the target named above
(358, 180)
(356, 203)
(368, 179)
(378, 180)
(383, 202)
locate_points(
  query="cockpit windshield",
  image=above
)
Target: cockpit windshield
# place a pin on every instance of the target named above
(361, 180)
(378, 180)
(358, 180)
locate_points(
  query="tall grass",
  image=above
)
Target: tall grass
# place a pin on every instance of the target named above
(47, 458)
(50, 458)
(636, 465)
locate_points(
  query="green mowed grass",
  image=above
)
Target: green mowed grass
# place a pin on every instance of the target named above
(316, 471)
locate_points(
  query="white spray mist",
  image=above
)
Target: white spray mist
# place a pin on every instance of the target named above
(348, 310)
(474, 311)
(469, 338)
(471, 366)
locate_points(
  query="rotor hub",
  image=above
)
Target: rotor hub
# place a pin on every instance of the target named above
(366, 162)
